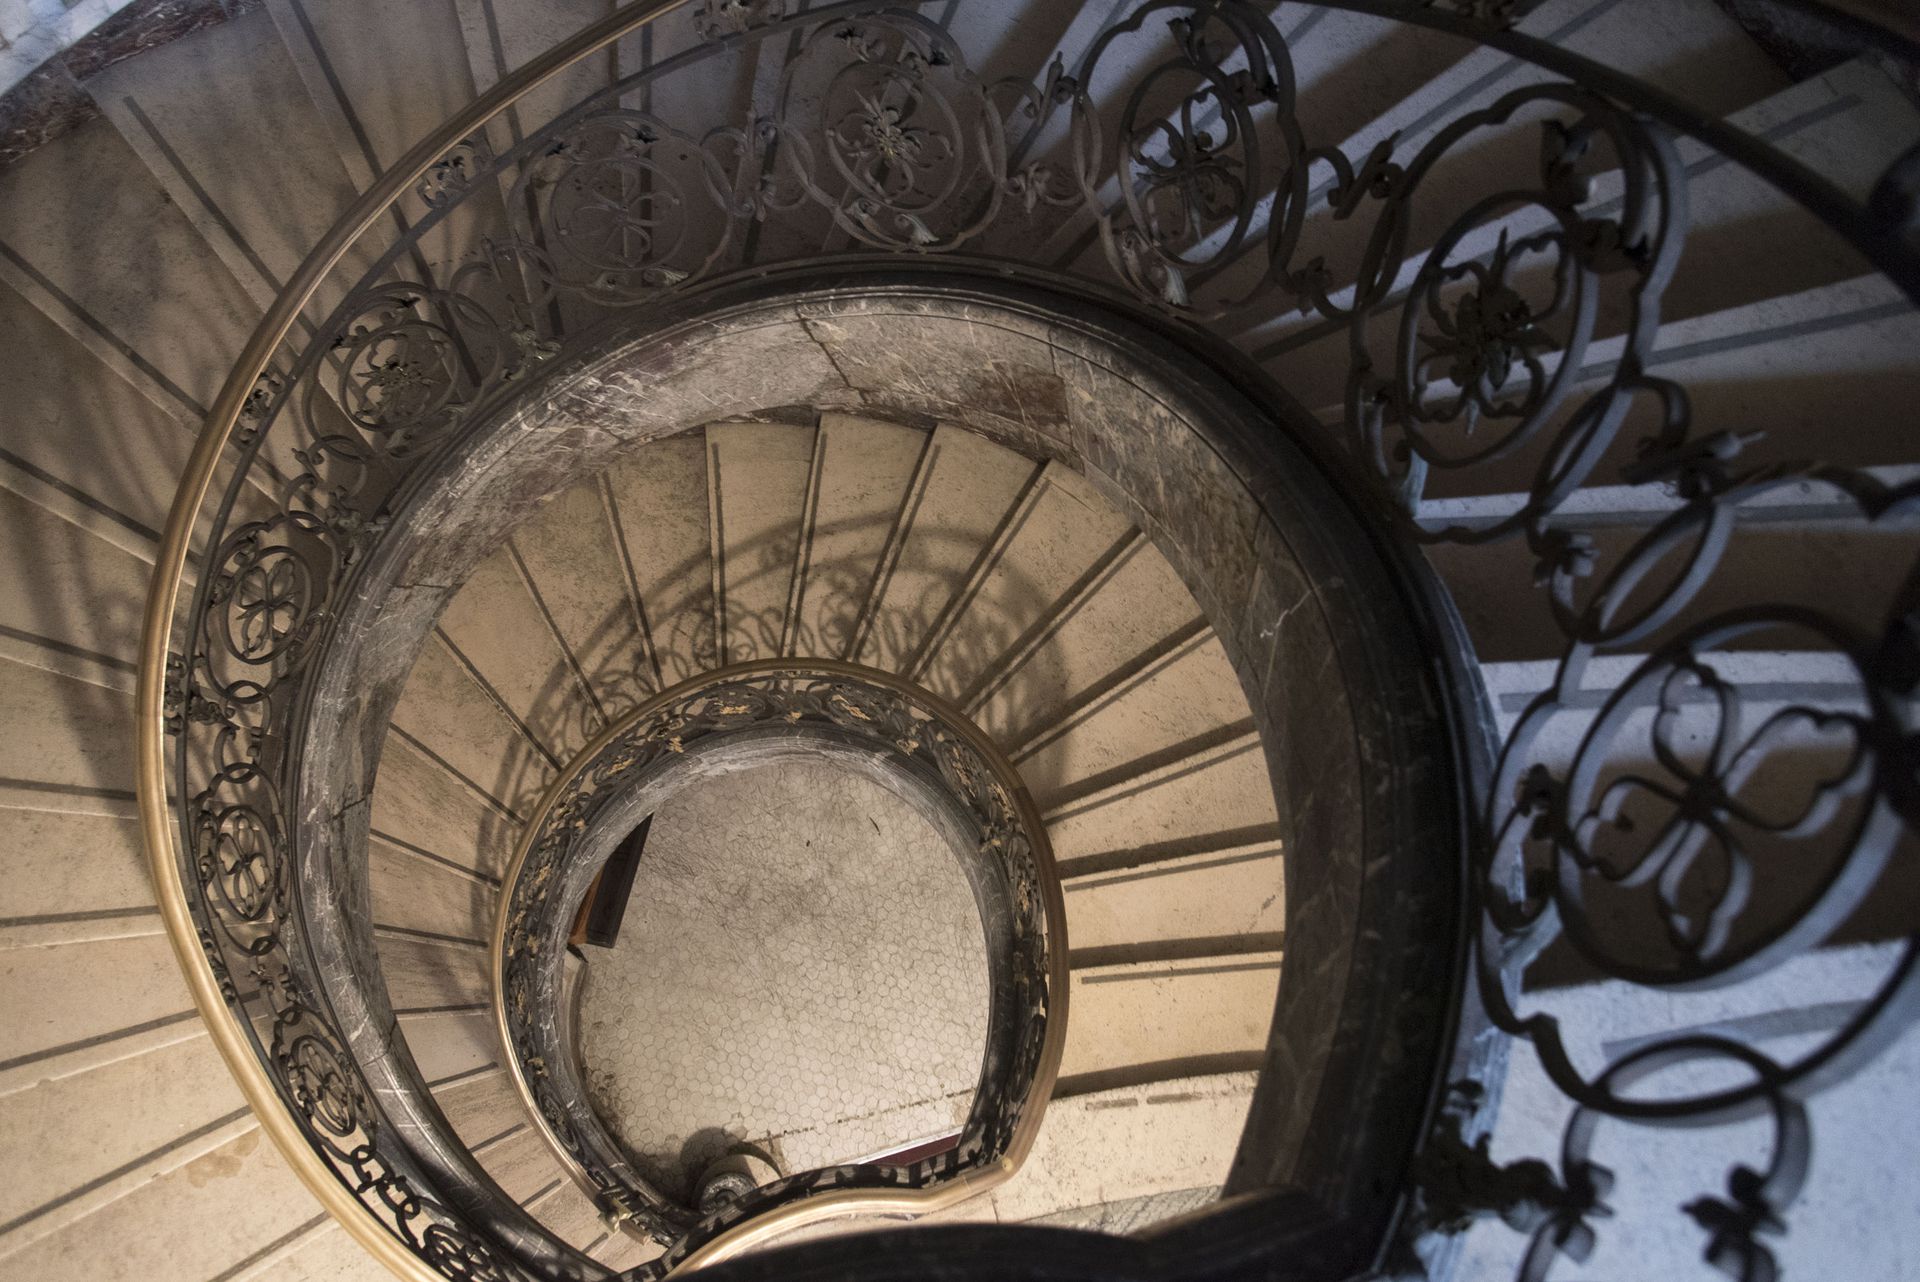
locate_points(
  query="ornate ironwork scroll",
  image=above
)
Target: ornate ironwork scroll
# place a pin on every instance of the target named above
(1167, 161)
(905, 731)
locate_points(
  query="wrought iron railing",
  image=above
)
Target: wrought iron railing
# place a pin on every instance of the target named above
(1172, 143)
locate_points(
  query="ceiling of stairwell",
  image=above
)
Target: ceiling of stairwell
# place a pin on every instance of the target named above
(801, 971)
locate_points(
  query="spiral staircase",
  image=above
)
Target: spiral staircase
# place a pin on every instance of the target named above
(425, 421)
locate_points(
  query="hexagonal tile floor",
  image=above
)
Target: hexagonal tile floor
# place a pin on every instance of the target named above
(801, 969)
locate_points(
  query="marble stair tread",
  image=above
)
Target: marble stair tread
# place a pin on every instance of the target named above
(419, 805)
(224, 124)
(504, 632)
(659, 494)
(1150, 1021)
(446, 712)
(101, 455)
(972, 486)
(91, 630)
(1193, 904)
(418, 896)
(96, 243)
(572, 551)
(867, 470)
(759, 476)
(1062, 537)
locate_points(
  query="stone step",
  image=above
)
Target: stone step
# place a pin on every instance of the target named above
(102, 455)
(972, 488)
(576, 567)
(1746, 243)
(448, 713)
(223, 123)
(500, 626)
(659, 499)
(379, 96)
(1048, 561)
(865, 490)
(1142, 1022)
(88, 630)
(759, 483)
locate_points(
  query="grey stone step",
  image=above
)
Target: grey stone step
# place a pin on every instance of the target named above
(414, 895)
(102, 455)
(176, 1222)
(1206, 897)
(759, 482)
(446, 713)
(165, 1100)
(379, 96)
(90, 628)
(1170, 1136)
(1746, 242)
(420, 808)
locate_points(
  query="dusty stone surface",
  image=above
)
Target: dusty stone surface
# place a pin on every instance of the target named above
(801, 969)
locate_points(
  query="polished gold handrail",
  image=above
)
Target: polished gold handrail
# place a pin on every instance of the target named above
(169, 573)
(836, 1203)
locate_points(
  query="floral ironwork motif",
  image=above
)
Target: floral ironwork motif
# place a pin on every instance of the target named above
(1512, 335)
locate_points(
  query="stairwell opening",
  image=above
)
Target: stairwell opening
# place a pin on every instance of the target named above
(1327, 634)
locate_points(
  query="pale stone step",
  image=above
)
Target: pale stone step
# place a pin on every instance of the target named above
(1745, 242)
(1127, 1142)
(481, 1106)
(867, 471)
(176, 1224)
(324, 1252)
(412, 894)
(64, 864)
(501, 37)
(419, 806)
(759, 481)
(519, 1162)
(1199, 796)
(89, 629)
(1217, 897)
(52, 999)
(506, 634)
(101, 454)
(971, 486)
(659, 496)
(380, 96)
(1151, 1021)
(1791, 562)
(577, 568)
(223, 123)
(566, 1212)
(429, 975)
(66, 746)
(159, 1101)
(447, 713)
(1044, 562)
(1125, 614)
(1688, 48)
(99, 247)
(449, 1043)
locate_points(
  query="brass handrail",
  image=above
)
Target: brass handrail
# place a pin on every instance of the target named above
(156, 821)
(837, 1203)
